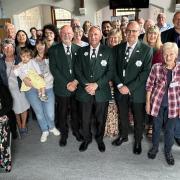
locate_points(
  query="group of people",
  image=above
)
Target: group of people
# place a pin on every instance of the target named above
(77, 73)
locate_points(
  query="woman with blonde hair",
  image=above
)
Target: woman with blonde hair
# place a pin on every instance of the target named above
(152, 37)
(114, 37)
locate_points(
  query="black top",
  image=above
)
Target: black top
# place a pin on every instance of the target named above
(6, 101)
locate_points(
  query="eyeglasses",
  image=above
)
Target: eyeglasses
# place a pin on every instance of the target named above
(131, 31)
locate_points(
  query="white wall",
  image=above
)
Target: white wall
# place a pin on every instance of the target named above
(13, 7)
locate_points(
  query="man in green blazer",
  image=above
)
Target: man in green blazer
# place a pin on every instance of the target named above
(94, 69)
(133, 63)
(62, 57)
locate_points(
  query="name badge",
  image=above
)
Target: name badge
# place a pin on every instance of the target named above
(174, 84)
(124, 72)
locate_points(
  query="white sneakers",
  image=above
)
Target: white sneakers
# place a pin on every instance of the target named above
(55, 131)
(45, 134)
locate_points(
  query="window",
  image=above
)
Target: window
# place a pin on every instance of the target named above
(60, 17)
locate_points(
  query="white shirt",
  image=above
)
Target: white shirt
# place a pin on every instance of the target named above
(65, 47)
(131, 49)
(96, 51)
(23, 68)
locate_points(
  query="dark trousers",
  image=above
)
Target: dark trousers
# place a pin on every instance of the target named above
(138, 110)
(177, 128)
(64, 106)
(169, 125)
(100, 114)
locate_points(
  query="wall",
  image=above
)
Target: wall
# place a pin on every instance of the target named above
(13, 7)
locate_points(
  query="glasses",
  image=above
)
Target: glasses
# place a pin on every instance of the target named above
(131, 31)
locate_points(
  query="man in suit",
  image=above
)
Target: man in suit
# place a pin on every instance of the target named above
(172, 35)
(61, 60)
(94, 69)
(133, 63)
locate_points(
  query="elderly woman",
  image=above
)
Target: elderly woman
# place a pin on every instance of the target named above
(20, 104)
(152, 37)
(163, 99)
(78, 33)
(111, 129)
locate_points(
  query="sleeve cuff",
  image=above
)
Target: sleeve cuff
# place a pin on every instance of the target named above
(119, 85)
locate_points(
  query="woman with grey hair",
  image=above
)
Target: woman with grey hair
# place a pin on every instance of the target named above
(163, 99)
(8, 78)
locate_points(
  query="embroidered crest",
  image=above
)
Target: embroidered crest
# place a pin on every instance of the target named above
(138, 63)
(86, 53)
(103, 63)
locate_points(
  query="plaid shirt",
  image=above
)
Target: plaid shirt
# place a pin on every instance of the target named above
(157, 84)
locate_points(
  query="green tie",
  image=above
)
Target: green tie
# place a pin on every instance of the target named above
(68, 54)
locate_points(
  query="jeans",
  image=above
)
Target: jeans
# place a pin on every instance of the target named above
(177, 129)
(44, 110)
(169, 125)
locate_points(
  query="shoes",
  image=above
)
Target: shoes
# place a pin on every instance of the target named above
(169, 158)
(101, 146)
(55, 131)
(78, 136)
(177, 141)
(44, 136)
(63, 141)
(43, 98)
(23, 131)
(137, 149)
(119, 141)
(84, 146)
(152, 153)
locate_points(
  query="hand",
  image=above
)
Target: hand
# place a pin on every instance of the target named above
(72, 86)
(124, 90)
(148, 107)
(91, 88)
(27, 82)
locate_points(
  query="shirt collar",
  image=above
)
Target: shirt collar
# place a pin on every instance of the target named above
(132, 47)
(97, 48)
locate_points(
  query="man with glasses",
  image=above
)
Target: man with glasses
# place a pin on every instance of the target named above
(132, 66)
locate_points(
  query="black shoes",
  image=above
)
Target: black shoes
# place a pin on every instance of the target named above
(169, 158)
(101, 146)
(137, 149)
(84, 146)
(177, 141)
(78, 136)
(119, 141)
(63, 141)
(152, 153)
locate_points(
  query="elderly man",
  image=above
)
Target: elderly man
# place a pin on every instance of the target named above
(133, 63)
(94, 69)
(161, 22)
(172, 35)
(61, 60)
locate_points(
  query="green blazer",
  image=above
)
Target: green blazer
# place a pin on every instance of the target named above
(100, 72)
(137, 70)
(59, 68)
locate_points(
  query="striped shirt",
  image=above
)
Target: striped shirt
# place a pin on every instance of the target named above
(157, 84)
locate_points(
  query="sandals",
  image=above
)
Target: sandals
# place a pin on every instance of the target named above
(149, 132)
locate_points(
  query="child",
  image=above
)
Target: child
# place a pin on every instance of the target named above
(28, 68)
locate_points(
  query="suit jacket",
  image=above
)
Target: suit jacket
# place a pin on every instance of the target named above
(59, 68)
(168, 36)
(137, 70)
(101, 72)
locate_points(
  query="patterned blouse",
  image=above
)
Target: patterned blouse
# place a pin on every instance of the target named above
(157, 84)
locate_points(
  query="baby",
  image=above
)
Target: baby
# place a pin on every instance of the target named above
(28, 68)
